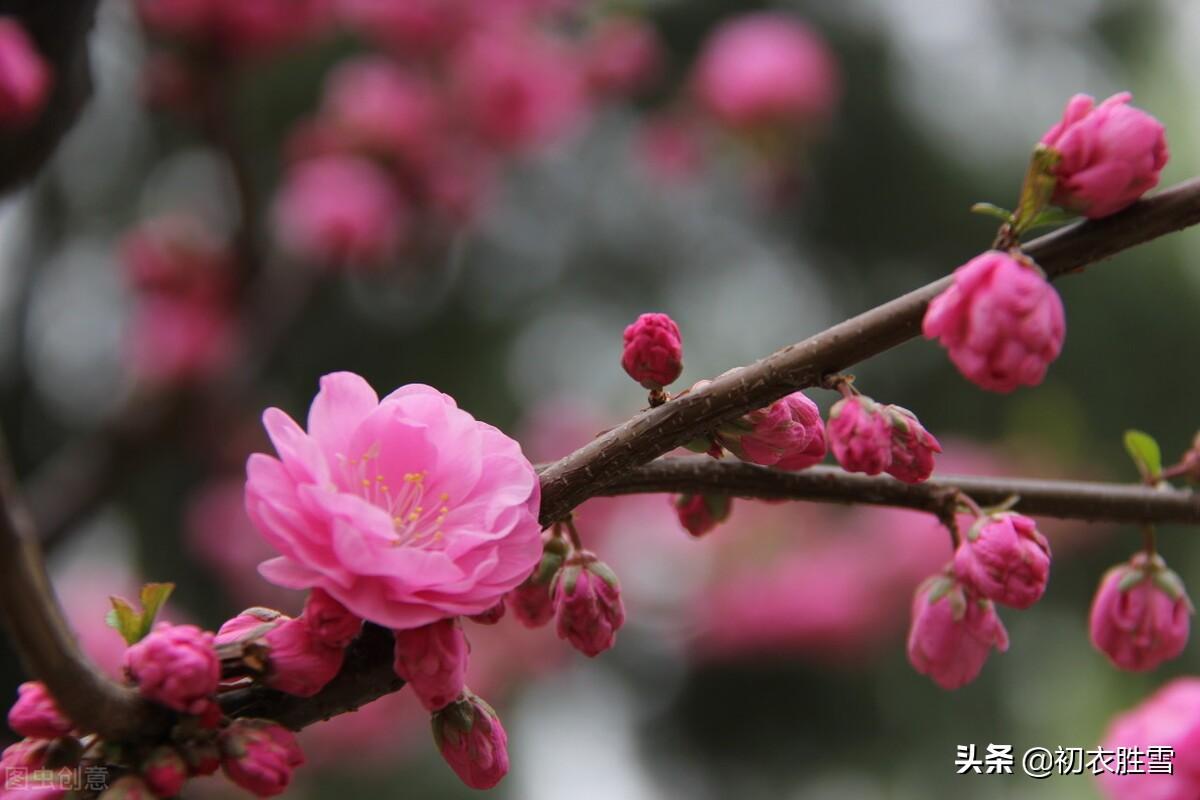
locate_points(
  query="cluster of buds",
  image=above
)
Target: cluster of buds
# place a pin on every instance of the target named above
(183, 324)
(1000, 320)
(1004, 560)
(869, 437)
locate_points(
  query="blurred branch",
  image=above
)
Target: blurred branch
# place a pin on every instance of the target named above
(652, 433)
(1098, 502)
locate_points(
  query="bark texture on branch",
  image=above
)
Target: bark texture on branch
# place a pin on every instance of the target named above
(652, 433)
(1110, 502)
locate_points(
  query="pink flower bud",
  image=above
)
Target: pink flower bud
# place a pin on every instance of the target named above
(25, 77)
(532, 604)
(165, 771)
(374, 105)
(1005, 559)
(330, 622)
(1001, 321)
(766, 69)
(433, 660)
(913, 447)
(1141, 614)
(623, 55)
(860, 435)
(260, 756)
(35, 715)
(492, 615)
(653, 354)
(952, 632)
(175, 665)
(701, 513)
(178, 256)
(587, 600)
(252, 625)
(340, 211)
(130, 787)
(1170, 718)
(472, 741)
(299, 663)
(172, 340)
(788, 434)
(1109, 155)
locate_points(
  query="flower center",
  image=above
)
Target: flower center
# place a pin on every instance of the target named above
(416, 517)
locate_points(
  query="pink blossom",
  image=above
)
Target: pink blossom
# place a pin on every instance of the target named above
(653, 353)
(414, 26)
(35, 715)
(624, 54)
(432, 659)
(766, 69)
(340, 211)
(532, 604)
(27, 759)
(1001, 321)
(265, 26)
(405, 511)
(175, 665)
(913, 447)
(701, 513)
(788, 434)
(25, 77)
(952, 632)
(177, 256)
(1005, 559)
(1109, 155)
(260, 756)
(299, 663)
(165, 771)
(587, 601)
(472, 741)
(518, 89)
(376, 106)
(860, 435)
(1141, 614)
(1169, 718)
(329, 622)
(174, 340)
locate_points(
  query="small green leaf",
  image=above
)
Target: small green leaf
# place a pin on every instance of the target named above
(990, 210)
(1051, 217)
(124, 620)
(1145, 453)
(154, 597)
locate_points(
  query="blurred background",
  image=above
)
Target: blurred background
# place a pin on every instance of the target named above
(763, 661)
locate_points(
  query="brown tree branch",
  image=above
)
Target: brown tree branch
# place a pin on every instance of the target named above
(1108, 502)
(657, 431)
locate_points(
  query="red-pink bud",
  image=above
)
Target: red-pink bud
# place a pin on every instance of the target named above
(299, 663)
(532, 604)
(788, 434)
(766, 69)
(165, 771)
(701, 513)
(177, 255)
(25, 77)
(623, 55)
(653, 354)
(1141, 614)
(587, 601)
(252, 625)
(130, 787)
(860, 435)
(176, 666)
(913, 447)
(472, 741)
(952, 632)
(1108, 155)
(374, 105)
(433, 660)
(330, 622)
(492, 615)
(260, 756)
(1001, 321)
(1005, 559)
(35, 714)
(203, 756)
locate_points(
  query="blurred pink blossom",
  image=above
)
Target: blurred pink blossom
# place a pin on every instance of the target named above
(1169, 718)
(25, 77)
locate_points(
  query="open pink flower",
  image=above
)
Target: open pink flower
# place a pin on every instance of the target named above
(1169, 718)
(405, 510)
(766, 69)
(788, 434)
(1001, 321)
(1005, 559)
(953, 632)
(1141, 614)
(1109, 155)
